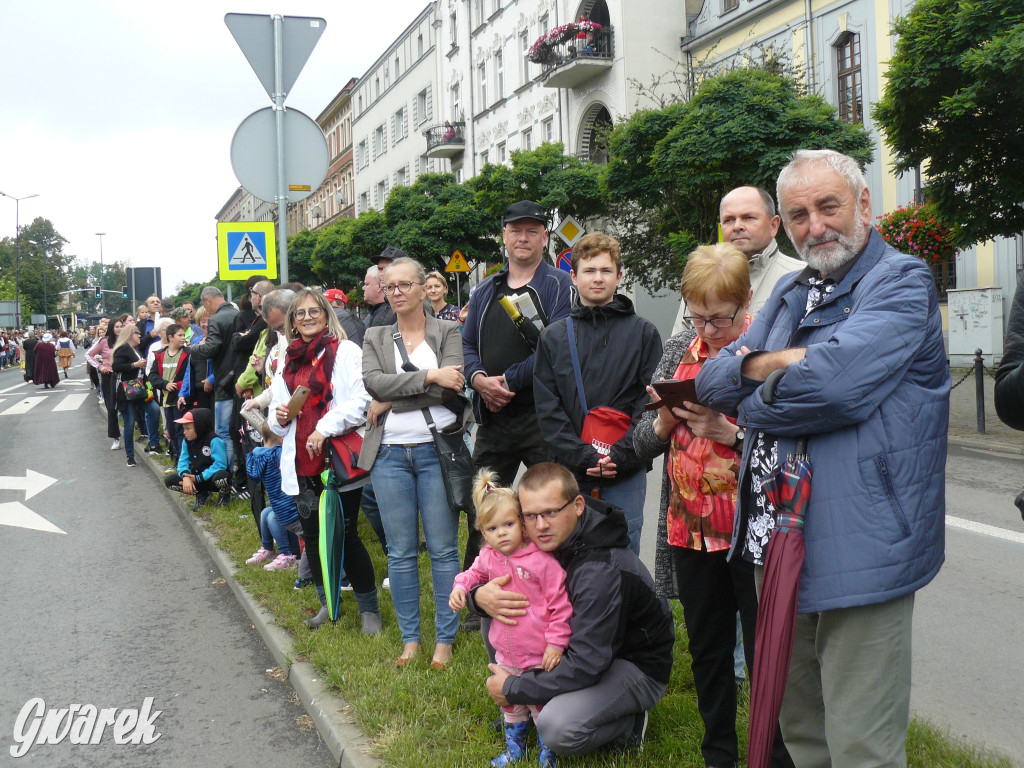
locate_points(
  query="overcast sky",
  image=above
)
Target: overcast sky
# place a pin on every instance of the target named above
(119, 114)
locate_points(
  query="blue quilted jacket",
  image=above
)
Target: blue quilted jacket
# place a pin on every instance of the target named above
(872, 397)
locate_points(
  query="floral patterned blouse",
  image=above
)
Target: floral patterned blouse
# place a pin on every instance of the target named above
(702, 476)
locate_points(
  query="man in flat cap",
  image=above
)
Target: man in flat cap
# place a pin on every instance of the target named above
(499, 358)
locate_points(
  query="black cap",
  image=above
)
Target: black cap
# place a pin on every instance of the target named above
(390, 253)
(525, 209)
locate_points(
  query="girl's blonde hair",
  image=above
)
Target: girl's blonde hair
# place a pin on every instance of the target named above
(490, 498)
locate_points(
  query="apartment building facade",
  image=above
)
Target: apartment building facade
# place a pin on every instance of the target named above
(335, 198)
(391, 104)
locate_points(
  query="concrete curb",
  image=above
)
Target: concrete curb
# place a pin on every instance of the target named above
(987, 444)
(327, 710)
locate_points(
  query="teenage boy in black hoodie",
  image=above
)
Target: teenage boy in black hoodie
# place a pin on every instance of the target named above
(617, 352)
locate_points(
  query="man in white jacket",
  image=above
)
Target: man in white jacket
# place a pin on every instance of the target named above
(749, 221)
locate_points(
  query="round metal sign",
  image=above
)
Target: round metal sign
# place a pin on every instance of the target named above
(254, 155)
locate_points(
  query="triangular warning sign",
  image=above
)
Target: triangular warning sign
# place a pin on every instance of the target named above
(457, 263)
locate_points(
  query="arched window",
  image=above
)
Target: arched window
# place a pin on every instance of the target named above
(848, 78)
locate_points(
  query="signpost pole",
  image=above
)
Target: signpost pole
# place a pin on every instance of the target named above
(282, 194)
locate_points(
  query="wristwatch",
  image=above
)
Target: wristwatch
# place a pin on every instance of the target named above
(741, 435)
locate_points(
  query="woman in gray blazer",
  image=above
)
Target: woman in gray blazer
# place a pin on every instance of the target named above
(399, 450)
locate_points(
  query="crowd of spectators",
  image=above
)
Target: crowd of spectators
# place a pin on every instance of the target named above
(554, 369)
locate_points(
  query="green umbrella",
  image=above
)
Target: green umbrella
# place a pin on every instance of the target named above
(332, 543)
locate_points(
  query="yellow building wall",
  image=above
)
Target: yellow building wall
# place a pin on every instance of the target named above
(985, 259)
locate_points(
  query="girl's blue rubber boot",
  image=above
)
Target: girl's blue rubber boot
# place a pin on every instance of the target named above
(515, 745)
(546, 758)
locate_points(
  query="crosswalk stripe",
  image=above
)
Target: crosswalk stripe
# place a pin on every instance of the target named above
(71, 402)
(22, 407)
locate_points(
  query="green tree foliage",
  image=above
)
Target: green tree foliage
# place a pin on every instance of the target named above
(554, 180)
(39, 265)
(670, 167)
(436, 216)
(952, 104)
(343, 250)
(300, 257)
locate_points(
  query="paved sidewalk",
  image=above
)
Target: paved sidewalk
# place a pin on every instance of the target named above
(963, 417)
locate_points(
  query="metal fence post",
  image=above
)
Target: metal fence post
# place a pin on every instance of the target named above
(979, 383)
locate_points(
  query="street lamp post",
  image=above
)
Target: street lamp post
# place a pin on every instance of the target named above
(100, 235)
(17, 252)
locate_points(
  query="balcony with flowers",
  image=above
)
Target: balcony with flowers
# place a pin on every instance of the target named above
(573, 53)
(447, 140)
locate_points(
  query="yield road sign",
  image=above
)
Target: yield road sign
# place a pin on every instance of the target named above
(457, 263)
(246, 248)
(305, 155)
(254, 34)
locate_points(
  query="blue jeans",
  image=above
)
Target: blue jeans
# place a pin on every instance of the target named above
(272, 530)
(174, 431)
(409, 487)
(222, 414)
(371, 510)
(133, 411)
(629, 494)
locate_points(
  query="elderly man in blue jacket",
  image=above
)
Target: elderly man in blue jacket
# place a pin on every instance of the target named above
(858, 336)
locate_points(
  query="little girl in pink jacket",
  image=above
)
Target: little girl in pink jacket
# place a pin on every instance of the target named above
(537, 639)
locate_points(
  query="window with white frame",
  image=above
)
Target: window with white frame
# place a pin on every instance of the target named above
(730, 5)
(458, 175)
(547, 130)
(527, 135)
(543, 24)
(499, 75)
(502, 155)
(398, 121)
(496, 6)
(456, 108)
(379, 144)
(484, 158)
(478, 8)
(482, 75)
(382, 194)
(362, 154)
(453, 29)
(421, 106)
(364, 202)
(419, 45)
(402, 177)
(524, 48)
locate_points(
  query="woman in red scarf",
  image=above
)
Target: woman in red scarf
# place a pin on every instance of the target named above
(699, 495)
(321, 358)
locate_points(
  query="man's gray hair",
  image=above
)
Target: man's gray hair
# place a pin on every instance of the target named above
(844, 165)
(280, 300)
(210, 292)
(373, 271)
(263, 287)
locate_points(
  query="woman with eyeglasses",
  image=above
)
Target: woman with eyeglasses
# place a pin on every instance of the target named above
(698, 495)
(399, 450)
(128, 363)
(321, 358)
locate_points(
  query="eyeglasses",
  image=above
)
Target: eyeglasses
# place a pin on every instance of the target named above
(551, 514)
(717, 322)
(403, 287)
(313, 313)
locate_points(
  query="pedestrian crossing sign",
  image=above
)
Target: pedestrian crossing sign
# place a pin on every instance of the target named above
(246, 248)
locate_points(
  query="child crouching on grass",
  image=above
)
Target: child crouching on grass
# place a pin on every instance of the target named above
(536, 641)
(280, 521)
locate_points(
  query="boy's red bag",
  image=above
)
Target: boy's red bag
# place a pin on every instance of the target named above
(603, 427)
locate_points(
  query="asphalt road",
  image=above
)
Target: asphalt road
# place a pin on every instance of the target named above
(123, 606)
(967, 675)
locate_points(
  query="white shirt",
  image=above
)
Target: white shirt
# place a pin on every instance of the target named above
(409, 427)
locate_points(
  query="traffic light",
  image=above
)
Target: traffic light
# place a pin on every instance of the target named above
(124, 291)
(97, 292)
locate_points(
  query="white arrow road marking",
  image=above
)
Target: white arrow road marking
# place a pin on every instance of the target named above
(24, 406)
(32, 483)
(70, 403)
(17, 514)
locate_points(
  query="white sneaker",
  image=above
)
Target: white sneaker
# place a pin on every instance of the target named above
(116, 446)
(386, 584)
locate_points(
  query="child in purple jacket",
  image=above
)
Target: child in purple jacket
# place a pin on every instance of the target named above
(537, 640)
